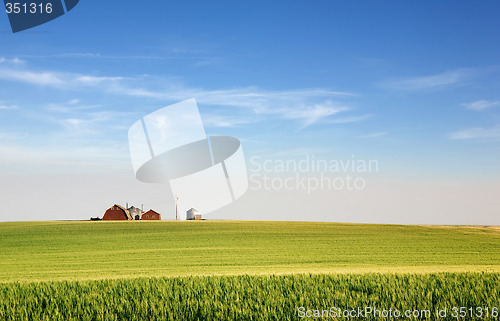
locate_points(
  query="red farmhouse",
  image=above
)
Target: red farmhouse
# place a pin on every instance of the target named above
(151, 216)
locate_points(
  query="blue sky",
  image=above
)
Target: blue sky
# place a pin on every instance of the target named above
(415, 85)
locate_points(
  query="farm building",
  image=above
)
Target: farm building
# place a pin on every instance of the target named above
(193, 214)
(151, 216)
(120, 213)
(135, 212)
(117, 213)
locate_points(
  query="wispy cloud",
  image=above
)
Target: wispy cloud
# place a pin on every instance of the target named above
(478, 133)
(58, 80)
(64, 55)
(72, 106)
(175, 53)
(431, 82)
(35, 78)
(350, 119)
(249, 97)
(73, 123)
(96, 81)
(211, 120)
(78, 118)
(7, 107)
(481, 104)
(11, 61)
(308, 106)
(88, 121)
(374, 135)
(276, 106)
(312, 114)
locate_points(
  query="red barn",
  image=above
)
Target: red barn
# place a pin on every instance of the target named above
(151, 216)
(116, 213)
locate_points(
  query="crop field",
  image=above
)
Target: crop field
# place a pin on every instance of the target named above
(234, 270)
(284, 297)
(40, 251)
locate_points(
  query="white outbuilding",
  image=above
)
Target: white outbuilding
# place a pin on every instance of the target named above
(193, 214)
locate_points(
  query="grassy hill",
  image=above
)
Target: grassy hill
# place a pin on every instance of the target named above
(40, 251)
(227, 270)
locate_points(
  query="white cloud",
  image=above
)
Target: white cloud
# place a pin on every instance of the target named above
(65, 55)
(74, 123)
(253, 98)
(13, 61)
(94, 81)
(7, 107)
(72, 106)
(312, 114)
(176, 53)
(76, 55)
(481, 104)
(350, 119)
(433, 82)
(35, 78)
(224, 121)
(375, 134)
(478, 133)
(308, 115)
(58, 80)
(87, 121)
(309, 106)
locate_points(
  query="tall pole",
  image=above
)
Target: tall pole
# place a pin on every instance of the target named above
(176, 209)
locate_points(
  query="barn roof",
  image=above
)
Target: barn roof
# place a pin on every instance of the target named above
(153, 211)
(193, 211)
(127, 213)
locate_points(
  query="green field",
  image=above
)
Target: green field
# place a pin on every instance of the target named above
(232, 269)
(253, 297)
(98, 250)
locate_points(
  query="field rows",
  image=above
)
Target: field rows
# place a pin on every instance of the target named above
(231, 270)
(40, 251)
(248, 297)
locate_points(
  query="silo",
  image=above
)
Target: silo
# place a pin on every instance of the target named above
(135, 212)
(191, 213)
